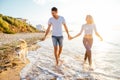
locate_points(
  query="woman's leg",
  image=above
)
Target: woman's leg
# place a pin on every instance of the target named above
(85, 45)
(90, 58)
(90, 42)
(85, 57)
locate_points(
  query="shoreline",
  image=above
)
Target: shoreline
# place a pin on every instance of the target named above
(42, 57)
(10, 66)
(42, 65)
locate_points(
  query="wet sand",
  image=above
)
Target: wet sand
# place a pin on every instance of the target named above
(12, 73)
(42, 65)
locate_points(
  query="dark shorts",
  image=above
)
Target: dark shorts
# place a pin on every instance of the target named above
(57, 40)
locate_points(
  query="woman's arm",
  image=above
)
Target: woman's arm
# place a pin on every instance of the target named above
(97, 34)
(79, 33)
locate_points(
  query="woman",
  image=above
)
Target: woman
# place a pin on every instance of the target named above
(88, 38)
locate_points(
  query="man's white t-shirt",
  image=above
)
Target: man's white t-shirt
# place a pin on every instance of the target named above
(57, 25)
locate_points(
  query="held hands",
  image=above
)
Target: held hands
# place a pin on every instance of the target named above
(101, 39)
(69, 37)
(43, 38)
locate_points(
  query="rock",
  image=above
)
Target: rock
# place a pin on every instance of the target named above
(6, 62)
(2, 67)
(0, 71)
(14, 64)
(0, 43)
(33, 47)
(5, 69)
(53, 79)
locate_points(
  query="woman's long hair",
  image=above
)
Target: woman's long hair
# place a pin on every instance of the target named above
(89, 19)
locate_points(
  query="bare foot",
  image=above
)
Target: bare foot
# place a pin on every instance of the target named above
(84, 62)
(61, 62)
(83, 67)
(91, 68)
(56, 64)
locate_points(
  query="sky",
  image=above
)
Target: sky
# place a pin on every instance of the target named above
(106, 13)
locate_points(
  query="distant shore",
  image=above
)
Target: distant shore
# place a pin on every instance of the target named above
(8, 38)
(10, 66)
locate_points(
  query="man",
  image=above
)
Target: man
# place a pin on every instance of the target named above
(56, 23)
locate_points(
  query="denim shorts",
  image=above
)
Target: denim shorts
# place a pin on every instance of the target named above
(57, 40)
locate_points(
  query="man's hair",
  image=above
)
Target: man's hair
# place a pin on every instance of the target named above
(54, 9)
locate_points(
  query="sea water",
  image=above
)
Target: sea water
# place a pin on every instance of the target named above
(105, 54)
(105, 57)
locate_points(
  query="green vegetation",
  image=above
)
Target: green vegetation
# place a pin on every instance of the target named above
(12, 25)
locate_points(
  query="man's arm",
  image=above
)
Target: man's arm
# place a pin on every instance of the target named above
(47, 31)
(66, 29)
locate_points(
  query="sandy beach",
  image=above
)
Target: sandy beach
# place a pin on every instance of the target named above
(41, 61)
(10, 66)
(59, 39)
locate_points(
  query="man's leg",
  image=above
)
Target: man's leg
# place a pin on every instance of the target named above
(60, 41)
(54, 39)
(56, 55)
(60, 51)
